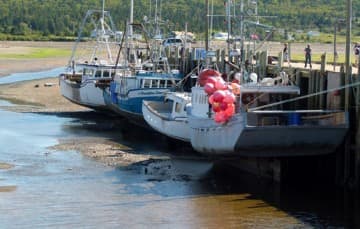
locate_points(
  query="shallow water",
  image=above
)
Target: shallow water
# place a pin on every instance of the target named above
(56, 189)
(17, 77)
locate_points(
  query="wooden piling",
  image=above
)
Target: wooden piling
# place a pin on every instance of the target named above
(322, 99)
(281, 59)
(357, 135)
(220, 61)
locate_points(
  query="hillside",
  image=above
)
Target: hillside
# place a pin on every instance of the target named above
(37, 19)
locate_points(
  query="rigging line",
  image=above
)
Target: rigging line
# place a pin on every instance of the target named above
(303, 97)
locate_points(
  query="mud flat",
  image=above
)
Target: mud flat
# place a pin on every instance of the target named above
(37, 96)
(5, 165)
(11, 188)
(102, 150)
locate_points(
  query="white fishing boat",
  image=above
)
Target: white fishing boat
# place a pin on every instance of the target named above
(169, 117)
(91, 61)
(266, 123)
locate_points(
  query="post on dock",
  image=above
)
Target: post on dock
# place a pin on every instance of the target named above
(281, 59)
(221, 60)
(311, 89)
(323, 77)
(262, 63)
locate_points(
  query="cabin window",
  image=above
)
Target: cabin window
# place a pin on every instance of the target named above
(146, 83)
(170, 83)
(106, 73)
(98, 74)
(154, 83)
(162, 83)
(88, 72)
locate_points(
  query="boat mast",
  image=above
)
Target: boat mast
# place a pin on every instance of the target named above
(207, 29)
(104, 32)
(131, 18)
(103, 38)
(228, 15)
(157, 28)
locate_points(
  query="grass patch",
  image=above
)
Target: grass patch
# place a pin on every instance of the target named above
(37, 53)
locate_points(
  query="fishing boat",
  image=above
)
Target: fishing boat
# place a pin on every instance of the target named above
(169, 117)
(127, 91)
(150, 80)
(92, 61)
(266, 122)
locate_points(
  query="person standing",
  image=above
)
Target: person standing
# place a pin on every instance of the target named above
(286, 54)
(357, 54)
(308, 56)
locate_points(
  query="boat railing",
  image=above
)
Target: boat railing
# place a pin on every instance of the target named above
(285, 118)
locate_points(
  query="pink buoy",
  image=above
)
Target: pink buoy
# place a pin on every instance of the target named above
(209, 88)
(212, 79)
(215, 107)
(205, 74)
(223, 106)
(218, 96)
(220, 84)
(230, 110)
(211, 99)
(235, 87)
(220, 117)
(229, 98)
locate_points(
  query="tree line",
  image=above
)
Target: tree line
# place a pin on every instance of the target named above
(53, 18)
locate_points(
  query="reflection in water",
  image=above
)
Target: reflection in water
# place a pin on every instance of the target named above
(64, 189)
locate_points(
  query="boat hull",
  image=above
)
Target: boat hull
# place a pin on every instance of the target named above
(235, 138)
(209, 137)
(130, 106)
(85, 94)
(289, 141)
(157, 115)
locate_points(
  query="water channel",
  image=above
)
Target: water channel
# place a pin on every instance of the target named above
(45, 188)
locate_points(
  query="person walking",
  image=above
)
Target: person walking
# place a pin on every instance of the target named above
(308, 56)
(286, 54)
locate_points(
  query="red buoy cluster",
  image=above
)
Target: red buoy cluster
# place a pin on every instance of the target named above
(221, 94)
